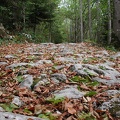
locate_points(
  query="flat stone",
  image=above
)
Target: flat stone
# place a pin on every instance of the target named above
(27, 82)
(13, 116)
(69, 92)
(59, 76)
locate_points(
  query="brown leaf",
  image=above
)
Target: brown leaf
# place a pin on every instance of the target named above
(84, 87)
(71, 110)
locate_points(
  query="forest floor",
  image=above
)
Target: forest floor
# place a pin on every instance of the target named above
(72, 81)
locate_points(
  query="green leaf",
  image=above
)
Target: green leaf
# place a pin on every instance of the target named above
(13, 106)
(75, 79)
(95, 83)
(8, 107)
(20, 78)
(91, 93)
(102, 67)
(27, 111)
(78, 79)
(56, 100)
(85, 116)
(45, 117)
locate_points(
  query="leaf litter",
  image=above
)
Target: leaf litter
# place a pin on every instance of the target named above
(48, 59)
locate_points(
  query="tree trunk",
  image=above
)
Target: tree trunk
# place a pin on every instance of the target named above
(98, 21)
(24, 16)
(116, 21)
(109, 25)
(75, 11)
(81, 21)
(89, 15)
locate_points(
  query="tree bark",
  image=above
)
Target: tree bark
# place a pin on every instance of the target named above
(109, 25)
(98, 21)
(89, 15)
(81, 21)
(116, 21)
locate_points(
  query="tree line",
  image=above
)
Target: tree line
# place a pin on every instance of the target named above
(64, 20)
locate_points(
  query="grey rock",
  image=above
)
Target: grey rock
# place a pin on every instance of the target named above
(99, 56)
(76, 67)
(66, 59)
(23, 72)
(13, 116)
(37, 54)
(28, 81)
(16, 100)
(110, 72)
(113, 92)
(47, 43)
(59, 67)
(44, 62)
(3, 63)
(113, 106)
(12, 66)
(55, 80)
(104, 52)
(42, 82)
(69, 92)
(43, 76)
(107, 82)
(108, 63)
(9, 56)
(116, 55)
(1, 110)
(59, 76)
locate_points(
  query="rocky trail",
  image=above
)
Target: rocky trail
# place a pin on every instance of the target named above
(72, 81)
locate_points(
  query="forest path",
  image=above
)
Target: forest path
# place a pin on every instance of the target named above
(59, 81)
